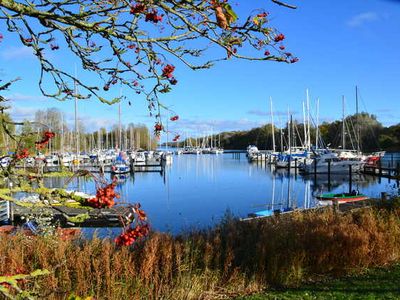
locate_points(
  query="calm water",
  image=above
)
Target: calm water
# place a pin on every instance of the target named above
(196, 191)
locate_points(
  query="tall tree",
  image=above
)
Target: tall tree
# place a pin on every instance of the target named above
(132, 43)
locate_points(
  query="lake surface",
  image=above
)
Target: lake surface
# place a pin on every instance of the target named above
(197, 190)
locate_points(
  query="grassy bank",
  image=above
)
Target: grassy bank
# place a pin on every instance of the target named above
(234, 258)
(381, 283)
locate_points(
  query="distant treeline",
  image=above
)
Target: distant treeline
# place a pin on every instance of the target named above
(132, 136)
(363, 129)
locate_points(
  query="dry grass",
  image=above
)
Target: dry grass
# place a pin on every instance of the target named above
(231, 259)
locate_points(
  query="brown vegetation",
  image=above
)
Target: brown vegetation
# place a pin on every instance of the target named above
(233, 258)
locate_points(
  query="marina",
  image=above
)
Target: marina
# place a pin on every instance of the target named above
(198, 190)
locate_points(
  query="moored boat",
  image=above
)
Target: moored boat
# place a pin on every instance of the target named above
(120, 168)
(342, 197)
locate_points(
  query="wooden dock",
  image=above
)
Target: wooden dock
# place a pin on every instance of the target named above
(149, 166)
(379, 170)
(109, 217)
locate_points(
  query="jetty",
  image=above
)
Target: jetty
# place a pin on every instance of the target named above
(65, 216)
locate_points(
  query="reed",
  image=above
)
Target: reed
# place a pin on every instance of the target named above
(231, 259)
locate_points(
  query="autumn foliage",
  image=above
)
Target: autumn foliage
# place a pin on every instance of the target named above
(105, 197)
(232, 259)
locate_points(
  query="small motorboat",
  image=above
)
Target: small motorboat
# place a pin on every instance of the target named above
(120, 168)
(343, 197)
(269, 212)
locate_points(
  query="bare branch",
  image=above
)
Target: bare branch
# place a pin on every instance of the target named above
(284, 4)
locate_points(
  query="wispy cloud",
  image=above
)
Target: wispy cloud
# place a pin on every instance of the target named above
(22, 113)
(256, 112)
(17, 53)
(201, 126)
(17, 97)
(363, 18)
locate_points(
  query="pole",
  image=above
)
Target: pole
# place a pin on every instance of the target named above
(317, 126)
(329, 176)
(350, 179)
(119, 124)
(76, 122)
(308, 121)
(272, 126)
(357, 123)
(343, 126)
(305, 126)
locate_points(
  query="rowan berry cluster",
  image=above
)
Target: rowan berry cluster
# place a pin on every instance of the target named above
(24, 153)
(174, 118)
(47, 136)
(136, 228)
(104, 197)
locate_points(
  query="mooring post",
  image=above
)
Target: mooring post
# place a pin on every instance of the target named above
(329, 175)
(295, 168)
(391, 160)
(335, 205)
(383, 197)
(350, 179)
(289, 158)
(315, 171)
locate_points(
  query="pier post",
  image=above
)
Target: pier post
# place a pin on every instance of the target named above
(315, 171)
(350, 179)
(398, 170)
(329, 176)
(335, 205)
(289, 160)
(391, 160)
(383, 197)
(295, 168)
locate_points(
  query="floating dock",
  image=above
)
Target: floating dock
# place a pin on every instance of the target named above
(105, 217)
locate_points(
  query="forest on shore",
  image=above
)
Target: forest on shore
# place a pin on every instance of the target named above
(362, 128)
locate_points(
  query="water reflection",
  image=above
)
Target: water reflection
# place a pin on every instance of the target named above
(197, 190)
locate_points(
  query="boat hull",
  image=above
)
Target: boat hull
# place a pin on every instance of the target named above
(342, 198)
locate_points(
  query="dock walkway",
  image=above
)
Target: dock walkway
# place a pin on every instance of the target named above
(105, 217)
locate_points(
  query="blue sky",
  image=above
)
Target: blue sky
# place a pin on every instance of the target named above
(340, 44)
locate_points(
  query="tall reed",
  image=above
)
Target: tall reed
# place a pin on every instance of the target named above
(230, 259)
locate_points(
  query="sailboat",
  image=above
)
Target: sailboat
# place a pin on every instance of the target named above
(120, 166)
(166, 156)
(291, 159)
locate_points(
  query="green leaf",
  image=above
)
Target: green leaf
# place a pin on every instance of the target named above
(231, 15)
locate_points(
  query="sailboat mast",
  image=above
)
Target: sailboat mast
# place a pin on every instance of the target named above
(119, 126)
(305, 125)
(272, 125)
(167, 137)
(62, 133)
(343, 126)
(357, 123)
(289, 133)
(76, 123)
(317, 126)
(308, 122)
